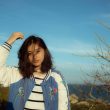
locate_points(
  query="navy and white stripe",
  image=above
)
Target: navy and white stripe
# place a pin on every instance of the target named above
(36, 101)
(7, 46)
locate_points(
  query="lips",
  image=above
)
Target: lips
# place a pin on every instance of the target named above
(35, 61)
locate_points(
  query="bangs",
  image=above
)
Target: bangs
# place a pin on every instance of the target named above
(36, 41)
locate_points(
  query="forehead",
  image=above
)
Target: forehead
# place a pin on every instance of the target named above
(33, 47)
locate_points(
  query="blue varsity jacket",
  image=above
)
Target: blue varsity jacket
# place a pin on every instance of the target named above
(55, 90)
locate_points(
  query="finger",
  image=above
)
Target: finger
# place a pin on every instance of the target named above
(19, 38)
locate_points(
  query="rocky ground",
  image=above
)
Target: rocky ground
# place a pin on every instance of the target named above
(88, 104)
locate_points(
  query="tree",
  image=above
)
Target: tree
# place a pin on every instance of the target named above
(101, 76)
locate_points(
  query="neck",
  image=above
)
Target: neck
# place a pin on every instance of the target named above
(37, 69)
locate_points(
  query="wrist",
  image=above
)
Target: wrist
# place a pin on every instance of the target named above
(10, 42)
(9, 45)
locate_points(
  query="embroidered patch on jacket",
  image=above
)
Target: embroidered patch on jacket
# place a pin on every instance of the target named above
(21, 91)
(53, 91)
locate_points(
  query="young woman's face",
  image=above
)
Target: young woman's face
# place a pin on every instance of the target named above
(36, 55)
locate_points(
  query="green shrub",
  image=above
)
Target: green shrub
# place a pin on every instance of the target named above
(4, 93)
(3, 97)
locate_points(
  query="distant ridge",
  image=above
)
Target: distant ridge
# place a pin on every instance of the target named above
(82, 91)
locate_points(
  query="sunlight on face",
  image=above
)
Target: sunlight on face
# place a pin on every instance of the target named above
(36, 55)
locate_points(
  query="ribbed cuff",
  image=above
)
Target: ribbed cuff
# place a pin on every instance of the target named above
(7, 46)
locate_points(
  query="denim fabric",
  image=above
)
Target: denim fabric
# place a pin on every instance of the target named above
(50, 89)
(20, 91)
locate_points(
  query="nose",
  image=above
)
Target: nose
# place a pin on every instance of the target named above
(34, 54)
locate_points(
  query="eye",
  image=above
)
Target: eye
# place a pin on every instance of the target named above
(29, 54)
(38, 51)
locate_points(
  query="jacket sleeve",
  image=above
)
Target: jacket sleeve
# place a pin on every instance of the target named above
(8, 74)
(63, 93)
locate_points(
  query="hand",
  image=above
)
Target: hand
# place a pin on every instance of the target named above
(14, 36)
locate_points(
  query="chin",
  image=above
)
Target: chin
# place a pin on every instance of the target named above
(36, 65)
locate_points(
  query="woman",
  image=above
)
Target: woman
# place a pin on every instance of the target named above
(34, 85)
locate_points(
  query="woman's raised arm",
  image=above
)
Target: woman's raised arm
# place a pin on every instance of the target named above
(8, 74)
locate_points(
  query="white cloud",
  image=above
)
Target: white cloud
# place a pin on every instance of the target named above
(78, 66)
(81, 49)
(77, 48)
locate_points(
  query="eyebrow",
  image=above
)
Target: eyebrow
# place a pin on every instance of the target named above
(35, 49)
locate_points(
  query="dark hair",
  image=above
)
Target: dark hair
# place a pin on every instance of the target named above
(25, 67)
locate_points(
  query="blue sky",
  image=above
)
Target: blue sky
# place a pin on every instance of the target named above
(67, 27)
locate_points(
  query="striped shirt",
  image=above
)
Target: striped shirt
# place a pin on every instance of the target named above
(35, 100)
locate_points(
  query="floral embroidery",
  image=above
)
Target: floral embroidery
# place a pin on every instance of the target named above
(53, 91)
(21, 91)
